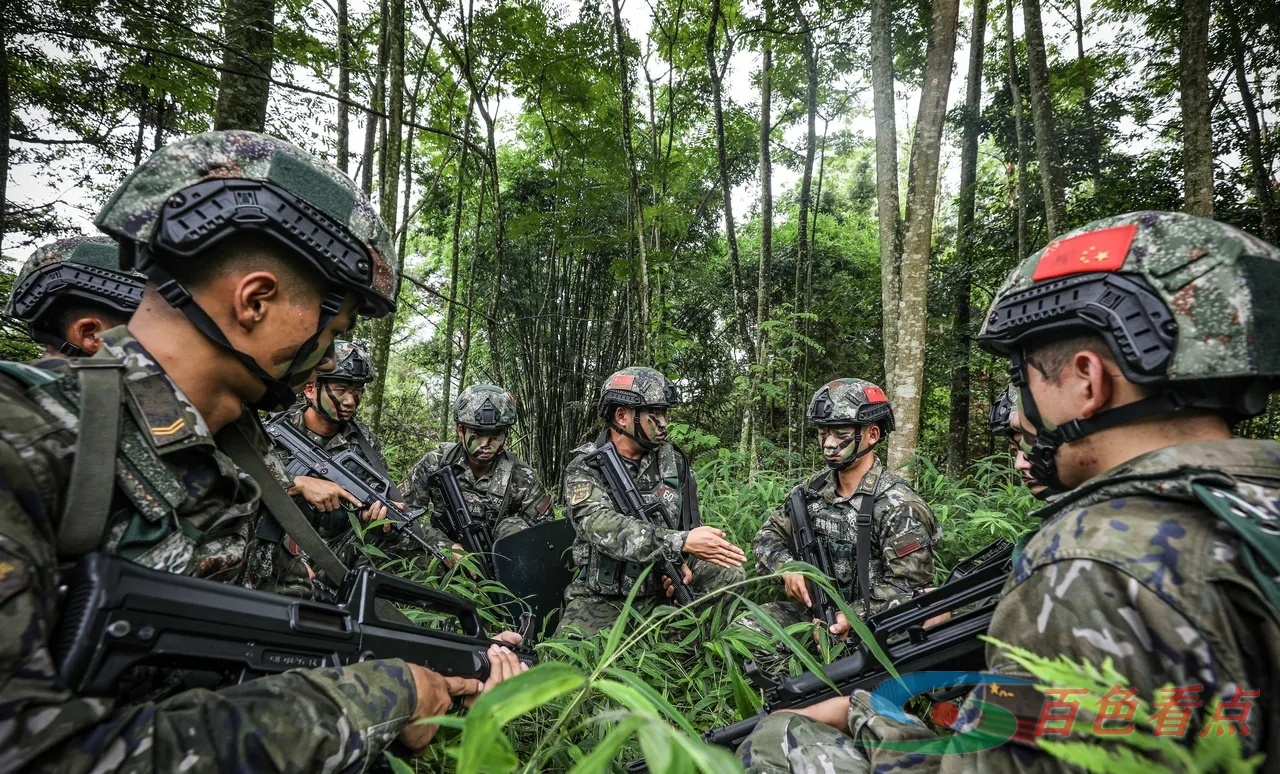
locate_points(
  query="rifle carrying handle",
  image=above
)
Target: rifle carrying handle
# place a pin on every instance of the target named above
(381, 585)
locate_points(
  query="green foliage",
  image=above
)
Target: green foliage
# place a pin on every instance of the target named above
(1142, 752)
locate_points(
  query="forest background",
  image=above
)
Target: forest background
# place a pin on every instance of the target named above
(754, 196)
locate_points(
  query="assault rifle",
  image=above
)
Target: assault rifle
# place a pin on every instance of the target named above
(455, 520)
(626, 497)
(969, 594)
(350, 471)
(117, 615)
(808, 548)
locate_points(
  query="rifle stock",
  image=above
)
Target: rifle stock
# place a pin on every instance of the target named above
(118, 615)
(627, 498)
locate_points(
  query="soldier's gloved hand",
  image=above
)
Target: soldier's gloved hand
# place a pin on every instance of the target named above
(320, 494)
(503, 665)
(670, 587)
(435, 695)
(797, 588)
(709, 545)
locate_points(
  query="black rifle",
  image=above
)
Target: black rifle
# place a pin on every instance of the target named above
(350, 471)
(455, 520)
(117, 615)
(626, 497)
(808, 548)
(974, 584)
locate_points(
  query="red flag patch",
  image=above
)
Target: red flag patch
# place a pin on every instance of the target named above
(622, 382)
(911, 547)
(875, 395)
(1089, 252)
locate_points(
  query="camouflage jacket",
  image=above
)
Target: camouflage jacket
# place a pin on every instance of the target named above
(903, 534)
(508, 496)
(1132, 567)
(607, 538)
(180, 505)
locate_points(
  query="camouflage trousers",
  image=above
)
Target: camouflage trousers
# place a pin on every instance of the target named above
(591, 613)
(787, 742)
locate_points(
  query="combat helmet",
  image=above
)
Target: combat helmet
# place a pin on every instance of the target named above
(82, 268)
(1185, 305)
(202, 190)
(850, 402)
(637, 387)
(351, 363)
(485, 407)
(1000, 421)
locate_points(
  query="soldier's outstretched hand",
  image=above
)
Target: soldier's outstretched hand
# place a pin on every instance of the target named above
(709, 545)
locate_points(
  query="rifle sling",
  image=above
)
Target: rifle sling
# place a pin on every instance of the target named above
(281, 506)
(90, 489)
(866, 509)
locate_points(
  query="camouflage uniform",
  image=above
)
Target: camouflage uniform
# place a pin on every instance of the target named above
(507, 496)
(78, 271)
(612, 545)
(1132, 565)
(904, 533)
(178, 504)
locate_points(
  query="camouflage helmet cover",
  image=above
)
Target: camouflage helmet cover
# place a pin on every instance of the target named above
(637, 387)
(325, 211)
(485, 407)
(1178, 298)
(850, 402)
(81, 267)
(352, 363)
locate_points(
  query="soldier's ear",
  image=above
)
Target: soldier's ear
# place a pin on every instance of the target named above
(872, 434)
(620, 416)
(85, 332)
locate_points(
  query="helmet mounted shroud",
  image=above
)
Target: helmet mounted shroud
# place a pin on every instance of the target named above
(1000, 420)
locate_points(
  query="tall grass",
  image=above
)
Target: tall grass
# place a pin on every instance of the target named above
(649, 686)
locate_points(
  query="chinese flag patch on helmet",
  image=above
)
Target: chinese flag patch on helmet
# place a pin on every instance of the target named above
(875, 395)
(622, 382)
(1092, 251)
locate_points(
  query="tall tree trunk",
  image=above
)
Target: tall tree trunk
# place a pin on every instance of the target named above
(248, 29)
(344, 87)
(624, 86)
(1262, 188)
(1197, 137)
(888, 209)
(913, 311)
(1093, 131)
(1020, 134)
(455, 251)
(810, 152)
(766, 237)
(716, 72)
(379, 97)
(388, 187)
(1055, 208)
(958, 426)
(465, 359)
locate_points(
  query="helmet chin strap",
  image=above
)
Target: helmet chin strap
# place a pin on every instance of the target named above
(855, 440)
(1043, 455)
(319, 406)
(640, 436)
(279, 391)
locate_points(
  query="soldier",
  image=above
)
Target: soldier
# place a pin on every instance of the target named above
(853, 417)
(257, 256)
(1005, 421)
(500, 488)
(327, 419)
(1136, 341)
(70, 292)
(612, 549)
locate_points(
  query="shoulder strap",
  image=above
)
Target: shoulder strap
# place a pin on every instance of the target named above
(690, 515)
(93, 472)
(1259, 532)
(863, 519)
